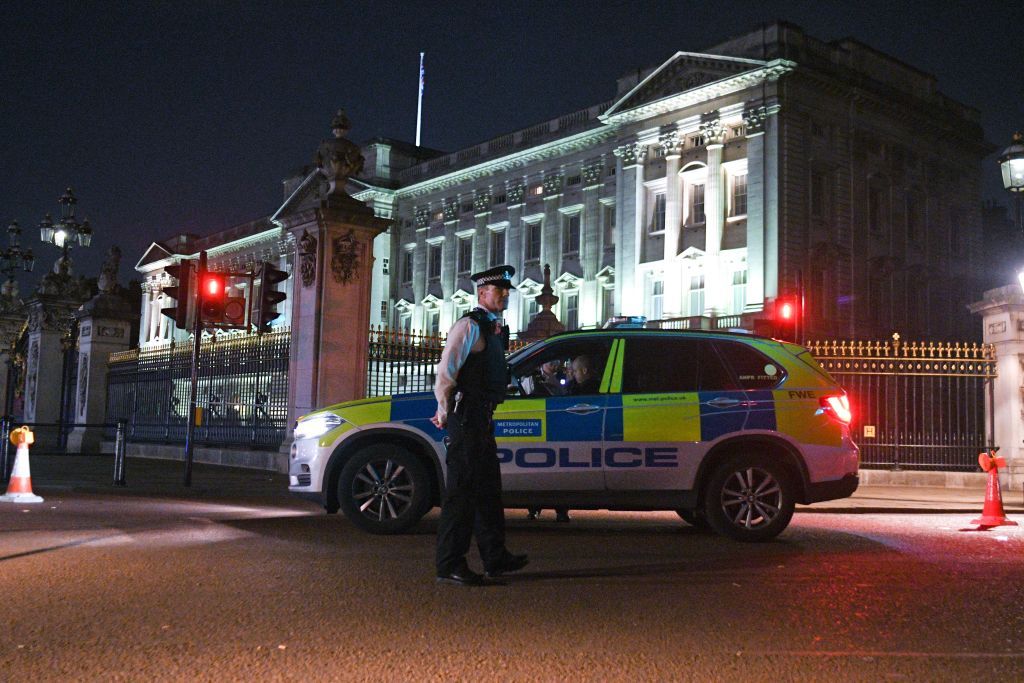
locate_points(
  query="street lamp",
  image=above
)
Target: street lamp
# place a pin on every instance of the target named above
(67, 230)
(1011, 163)
(12, 257)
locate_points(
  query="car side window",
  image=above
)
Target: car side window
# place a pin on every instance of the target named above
(657, 365)
(568, 368)
(753, 369)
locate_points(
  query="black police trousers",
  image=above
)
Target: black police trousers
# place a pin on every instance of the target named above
(471, 505)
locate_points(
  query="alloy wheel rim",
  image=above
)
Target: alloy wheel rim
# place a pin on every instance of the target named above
(751, 498)
(383, 490)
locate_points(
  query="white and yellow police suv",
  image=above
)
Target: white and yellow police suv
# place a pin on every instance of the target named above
(729, 430)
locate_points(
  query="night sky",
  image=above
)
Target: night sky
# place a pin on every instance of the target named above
(185, 116)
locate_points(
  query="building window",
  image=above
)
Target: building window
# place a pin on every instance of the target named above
(657, 307)
(609, 226)
(956, 243)
(385, 262)
(405, 322)
(573, 180)
(466, 207)
(914, 216)
(501, 199)
(571, 236)
(407, 267)
(739, 291)
(695, 300)
(537, 190)
(465, 256)
(384, 311)
(696, 208)
(531, 253)
(439, 215)
(876, 207)
(607, 303)
(497, 247)
(570, 307)
(461, 308)
(433, 322)
(739, 195)
(530, 311)
(819, 194)
(657, 225)
(434, 262)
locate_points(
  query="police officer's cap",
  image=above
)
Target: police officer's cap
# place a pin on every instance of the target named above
(499, 275)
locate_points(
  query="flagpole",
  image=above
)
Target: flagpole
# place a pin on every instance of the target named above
(419, 104)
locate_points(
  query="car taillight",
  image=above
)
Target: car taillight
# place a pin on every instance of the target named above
(838, 406)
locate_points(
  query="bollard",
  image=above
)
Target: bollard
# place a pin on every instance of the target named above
(5, 449)
(119, 454)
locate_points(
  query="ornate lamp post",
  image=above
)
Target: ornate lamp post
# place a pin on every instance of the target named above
(66, 230)
(1011, 163)
(12, 257)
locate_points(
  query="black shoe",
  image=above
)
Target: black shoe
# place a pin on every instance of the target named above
(509, 563)
(462, 577)
(562, 516)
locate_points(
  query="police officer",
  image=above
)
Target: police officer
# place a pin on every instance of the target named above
(471, 380)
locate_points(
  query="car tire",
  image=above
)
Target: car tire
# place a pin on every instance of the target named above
(694, 518)
(750, 498)
(383, 489)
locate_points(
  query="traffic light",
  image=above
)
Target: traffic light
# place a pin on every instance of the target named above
(787, 318)
(266, 299)
(183, 311)
(212, 297)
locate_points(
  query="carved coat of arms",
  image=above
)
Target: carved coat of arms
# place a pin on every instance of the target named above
(307, 259)
(346, 252)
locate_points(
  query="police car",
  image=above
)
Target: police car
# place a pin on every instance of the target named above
(729, 430)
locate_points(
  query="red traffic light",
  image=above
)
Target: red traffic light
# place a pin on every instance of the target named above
(213, 286)
(787, 311)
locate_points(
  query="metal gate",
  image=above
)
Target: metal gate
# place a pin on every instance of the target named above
(916, 405)
(243, 390)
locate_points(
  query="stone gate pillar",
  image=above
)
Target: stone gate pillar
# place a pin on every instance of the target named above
(104, 326)
(330, 320)
(49, 319)
(1002, 312)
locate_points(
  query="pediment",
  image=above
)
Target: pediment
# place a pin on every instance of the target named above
(156, 252)
(684, 71)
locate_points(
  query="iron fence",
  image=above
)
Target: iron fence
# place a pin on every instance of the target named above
(917, 405)
(243, 390)
(403, 362)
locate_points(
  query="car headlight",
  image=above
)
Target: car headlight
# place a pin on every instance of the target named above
(316, 426)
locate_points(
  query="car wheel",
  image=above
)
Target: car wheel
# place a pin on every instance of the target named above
(694, 518)
(749, 498)
(383, 489)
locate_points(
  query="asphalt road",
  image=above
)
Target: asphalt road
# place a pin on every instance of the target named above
(115, 587)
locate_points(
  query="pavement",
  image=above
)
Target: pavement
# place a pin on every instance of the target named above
(164, 478)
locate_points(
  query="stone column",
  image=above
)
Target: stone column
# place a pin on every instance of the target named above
(629, 215)
(49, 319)
(104, 326)
(716, 291)
(551, 237)
(672, 143)
(331, 303)
(1002, 312)
(754, 120)
(590, 244)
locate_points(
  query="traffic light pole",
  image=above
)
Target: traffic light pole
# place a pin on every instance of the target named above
(197, 331)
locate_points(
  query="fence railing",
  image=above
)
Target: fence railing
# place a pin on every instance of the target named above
(917, 405)
(51, 438)
(243, 391)
(404, 362)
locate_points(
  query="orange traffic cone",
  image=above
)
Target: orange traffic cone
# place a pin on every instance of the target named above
(19, 490)
(992, 514)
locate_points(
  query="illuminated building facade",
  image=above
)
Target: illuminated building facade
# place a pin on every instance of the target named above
(706, 188)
